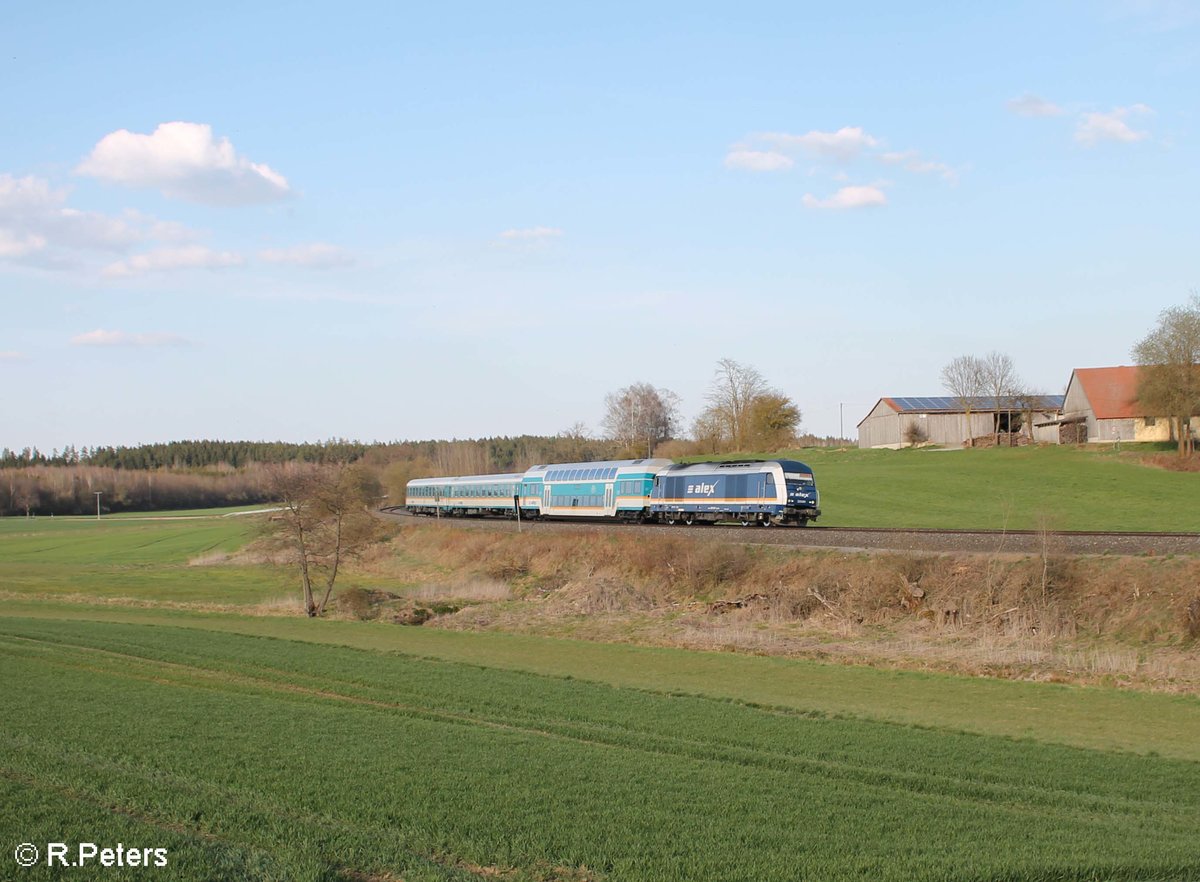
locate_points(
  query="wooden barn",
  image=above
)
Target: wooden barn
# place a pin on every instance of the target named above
(900, 422)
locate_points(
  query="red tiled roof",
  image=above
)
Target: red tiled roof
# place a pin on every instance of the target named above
(1112, 391)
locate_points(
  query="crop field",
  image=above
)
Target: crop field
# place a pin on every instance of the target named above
(259, 758)
(144, 704)
(1060, 488)
(131, 558)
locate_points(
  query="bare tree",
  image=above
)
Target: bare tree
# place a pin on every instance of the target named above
(964, 379)
(461, 458)
(575, 438)
(324, 522)
(1000, 381)
(709, 432)
(733, 389)
(639, 417)
(1169, 375)
(1028, 402)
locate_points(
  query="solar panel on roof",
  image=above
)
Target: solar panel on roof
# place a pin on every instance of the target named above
(949, 403)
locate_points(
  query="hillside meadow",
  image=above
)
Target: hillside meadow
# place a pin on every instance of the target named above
(1098, 487)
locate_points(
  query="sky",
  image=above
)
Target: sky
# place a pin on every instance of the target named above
(408, 221)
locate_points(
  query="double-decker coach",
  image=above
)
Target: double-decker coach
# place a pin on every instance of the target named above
(615, 489)
(618, 489)
(765, 492)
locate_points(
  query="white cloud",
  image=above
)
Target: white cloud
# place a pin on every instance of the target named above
(316, 255)
(184, 161)
(12, 355)
(855, 196)
(843, 145)
(101, 337)
(758, 160)
(38, 227)
(1032, 105)
(911, 160)
(170, 259)
(532, 233)
(1096, 127)
(34, 216)
(14, 244)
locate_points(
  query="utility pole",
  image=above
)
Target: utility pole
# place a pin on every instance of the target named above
(842, 417)
(98, 492)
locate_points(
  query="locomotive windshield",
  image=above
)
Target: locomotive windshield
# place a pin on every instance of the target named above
(799, 476)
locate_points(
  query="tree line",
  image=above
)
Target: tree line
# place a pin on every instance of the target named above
(742, 412)
(188, 454)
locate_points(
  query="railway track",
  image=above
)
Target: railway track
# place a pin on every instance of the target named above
(879, 538)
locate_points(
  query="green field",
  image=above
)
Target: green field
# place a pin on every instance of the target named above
(258, 758)
(151, 559)
(279, 748)
(1065, 488)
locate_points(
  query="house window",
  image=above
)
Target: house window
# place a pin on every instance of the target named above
(1150, 421)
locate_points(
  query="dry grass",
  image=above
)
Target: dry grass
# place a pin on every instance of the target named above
(471, 589)
(1127, 620)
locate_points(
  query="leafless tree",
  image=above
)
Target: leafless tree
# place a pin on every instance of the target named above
(639, 417)
(964, 378)
(1169, 374)
(1028, 402)
(1001, 382)
(576, 442)
(461, 458)
(733, 389)
(744, 413)
(709, 432)
(324, 521)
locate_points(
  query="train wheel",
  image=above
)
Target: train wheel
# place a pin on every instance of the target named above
(767, 521)
(670, 519)
(689, 519)
(745, 521)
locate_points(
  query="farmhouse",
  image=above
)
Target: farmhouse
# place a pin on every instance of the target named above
(898, 422)
(1103, 404)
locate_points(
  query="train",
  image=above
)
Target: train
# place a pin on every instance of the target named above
(763, 492)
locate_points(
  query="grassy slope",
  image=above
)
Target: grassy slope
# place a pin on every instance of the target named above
(250, 758)
(1104, 719)
(1073, 488)
(141, 559)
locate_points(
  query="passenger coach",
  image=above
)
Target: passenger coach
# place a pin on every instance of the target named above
(616, 489)
(472, 495)
(780, 491)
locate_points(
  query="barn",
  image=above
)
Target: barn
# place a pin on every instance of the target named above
(897, 422)
(1103, 403)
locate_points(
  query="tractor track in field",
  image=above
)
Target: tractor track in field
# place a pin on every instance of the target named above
(869, 538)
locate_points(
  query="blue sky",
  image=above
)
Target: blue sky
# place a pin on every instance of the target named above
(412, 221)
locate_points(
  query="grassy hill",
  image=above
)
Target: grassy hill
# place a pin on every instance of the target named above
(1065, 488)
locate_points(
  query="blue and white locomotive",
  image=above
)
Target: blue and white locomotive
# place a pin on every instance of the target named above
(767, 492)
(780, 491)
